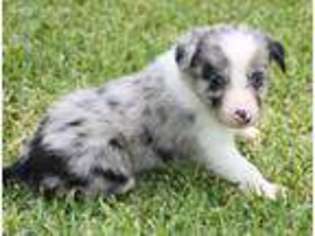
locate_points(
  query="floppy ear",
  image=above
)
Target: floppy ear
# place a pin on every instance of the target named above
(277, 54)
(187, 50)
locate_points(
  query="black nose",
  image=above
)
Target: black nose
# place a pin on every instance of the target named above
(242, 116)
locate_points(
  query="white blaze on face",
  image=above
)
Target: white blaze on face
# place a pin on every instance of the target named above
(239, 48)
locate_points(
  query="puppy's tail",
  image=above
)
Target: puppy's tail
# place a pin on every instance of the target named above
(16, 172)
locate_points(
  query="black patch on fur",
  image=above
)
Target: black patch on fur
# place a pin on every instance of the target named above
(76, 122)
(109, 175)
(215, 80)
(75, 181)
(42, 162)
(112, 102)
(257, 79)
(179, 54)
(165, 153)
(146, 136)
(215, 101)
(195, 60)
(115, 143)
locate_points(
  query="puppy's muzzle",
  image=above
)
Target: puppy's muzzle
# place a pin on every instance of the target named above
(242, 116)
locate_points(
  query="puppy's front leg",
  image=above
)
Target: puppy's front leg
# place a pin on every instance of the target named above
(250, 134)
(221, 157)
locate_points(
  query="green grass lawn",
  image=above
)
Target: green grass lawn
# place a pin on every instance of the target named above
(52, 47)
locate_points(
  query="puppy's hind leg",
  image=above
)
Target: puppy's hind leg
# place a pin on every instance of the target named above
(113, 174)
(120, 188)
(115, 183)
(107, 182)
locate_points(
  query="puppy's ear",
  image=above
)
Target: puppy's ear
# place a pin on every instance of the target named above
(188, 49)
(277, 53)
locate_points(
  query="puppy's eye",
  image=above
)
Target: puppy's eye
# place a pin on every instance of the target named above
(257, 79)
(215, 80)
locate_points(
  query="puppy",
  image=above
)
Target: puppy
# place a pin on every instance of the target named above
(188, 104)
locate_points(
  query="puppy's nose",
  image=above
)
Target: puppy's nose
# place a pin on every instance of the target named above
(242, 116)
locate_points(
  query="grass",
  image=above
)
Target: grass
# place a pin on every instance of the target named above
(53, 47)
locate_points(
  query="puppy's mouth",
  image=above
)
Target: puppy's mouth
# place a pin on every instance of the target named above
(235, 121)
(236, 125)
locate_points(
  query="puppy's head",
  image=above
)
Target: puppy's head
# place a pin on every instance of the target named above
(227, 68)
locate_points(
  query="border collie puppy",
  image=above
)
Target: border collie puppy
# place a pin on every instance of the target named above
(188, 104)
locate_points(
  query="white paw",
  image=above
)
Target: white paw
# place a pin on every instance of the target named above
(263, 188)
(273, 191)
(250, 134)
